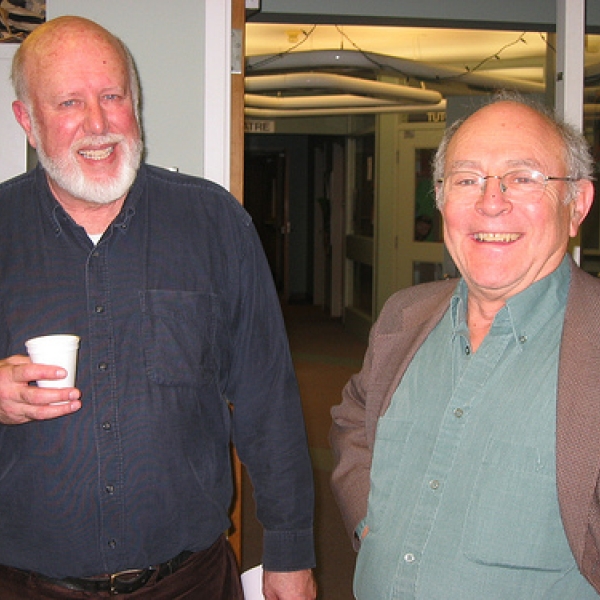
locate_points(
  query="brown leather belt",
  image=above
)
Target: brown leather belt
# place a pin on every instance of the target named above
(123, 582)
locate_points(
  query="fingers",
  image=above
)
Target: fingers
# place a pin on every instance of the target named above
(39, 413)
(21, 402)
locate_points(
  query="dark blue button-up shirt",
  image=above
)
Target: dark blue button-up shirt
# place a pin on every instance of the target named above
(182, 349)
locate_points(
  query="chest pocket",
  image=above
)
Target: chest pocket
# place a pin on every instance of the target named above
(513, 519)
(178, 335)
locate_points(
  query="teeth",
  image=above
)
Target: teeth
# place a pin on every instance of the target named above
(496, 237)
(97, 154)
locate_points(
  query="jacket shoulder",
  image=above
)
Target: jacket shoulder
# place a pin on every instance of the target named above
(426, 299)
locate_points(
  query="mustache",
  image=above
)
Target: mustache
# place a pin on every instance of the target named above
(98, 140)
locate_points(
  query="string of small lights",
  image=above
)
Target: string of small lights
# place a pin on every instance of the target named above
(371, 56)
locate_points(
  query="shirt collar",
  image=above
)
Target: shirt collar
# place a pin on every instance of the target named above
(121, 222)
(524, 314)
(59, 216)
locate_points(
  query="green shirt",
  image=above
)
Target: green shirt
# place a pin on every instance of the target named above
(463, 501)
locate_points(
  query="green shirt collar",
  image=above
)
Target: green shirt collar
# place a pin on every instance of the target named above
(525, 313)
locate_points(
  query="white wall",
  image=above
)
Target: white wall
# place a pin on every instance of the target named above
(13, 143)
(178, 47)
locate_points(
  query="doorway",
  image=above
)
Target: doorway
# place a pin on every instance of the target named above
(266, 199)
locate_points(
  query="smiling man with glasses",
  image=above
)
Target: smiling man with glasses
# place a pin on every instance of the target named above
(467, 447)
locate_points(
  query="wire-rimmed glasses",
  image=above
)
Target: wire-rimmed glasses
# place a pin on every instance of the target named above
(520, 185)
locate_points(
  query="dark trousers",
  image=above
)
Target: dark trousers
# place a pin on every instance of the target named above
(211, 574)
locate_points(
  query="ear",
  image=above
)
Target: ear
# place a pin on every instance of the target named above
(21, 113)
(580, 205)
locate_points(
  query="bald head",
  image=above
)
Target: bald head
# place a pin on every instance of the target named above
(570, 142)
(57, 37)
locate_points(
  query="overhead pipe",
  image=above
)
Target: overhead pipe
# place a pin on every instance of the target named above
(352, 59)
(331, 101)
(325, 111)
(331, 81)
(591, 74)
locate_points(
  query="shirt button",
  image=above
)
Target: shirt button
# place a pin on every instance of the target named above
(467, 350)
(112, 544)
(99, 309)
(434, 484)
(106, 426)
(458, 413)
(103, 366)
(110, 489)
(409, 557)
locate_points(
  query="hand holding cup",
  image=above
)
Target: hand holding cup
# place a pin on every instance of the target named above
(57, 350)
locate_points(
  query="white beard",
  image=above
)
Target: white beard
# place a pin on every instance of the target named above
(67, 174)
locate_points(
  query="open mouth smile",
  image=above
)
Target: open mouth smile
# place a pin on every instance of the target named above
(503, 238)
(98, 154)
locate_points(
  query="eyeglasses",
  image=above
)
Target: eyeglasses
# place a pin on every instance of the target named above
(522, 185)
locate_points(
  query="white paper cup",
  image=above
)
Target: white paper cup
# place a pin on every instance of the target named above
(57, 350)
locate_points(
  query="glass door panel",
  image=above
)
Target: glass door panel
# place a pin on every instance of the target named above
(420, 251)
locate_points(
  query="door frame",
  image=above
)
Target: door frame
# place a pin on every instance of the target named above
(410, 138)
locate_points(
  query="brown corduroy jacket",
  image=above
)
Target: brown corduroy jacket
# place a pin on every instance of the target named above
(405, 322)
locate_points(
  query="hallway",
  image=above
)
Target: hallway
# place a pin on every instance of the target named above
(325, 356)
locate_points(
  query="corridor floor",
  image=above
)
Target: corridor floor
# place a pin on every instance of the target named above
(325, 356)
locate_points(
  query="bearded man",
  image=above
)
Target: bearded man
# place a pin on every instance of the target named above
(122, 484)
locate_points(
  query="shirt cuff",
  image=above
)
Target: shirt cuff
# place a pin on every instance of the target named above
(289, 550)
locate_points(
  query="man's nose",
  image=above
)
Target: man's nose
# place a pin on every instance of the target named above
(492, 201)
(95, 119)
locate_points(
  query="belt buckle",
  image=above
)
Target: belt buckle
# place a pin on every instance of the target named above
(114, 582)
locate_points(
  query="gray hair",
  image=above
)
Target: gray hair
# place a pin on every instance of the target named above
(577, 155)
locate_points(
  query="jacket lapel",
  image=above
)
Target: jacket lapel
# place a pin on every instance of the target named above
(398, 335)
(578, 409)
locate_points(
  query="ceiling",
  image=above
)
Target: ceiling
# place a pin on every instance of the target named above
(444, 46)
(449, 61)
